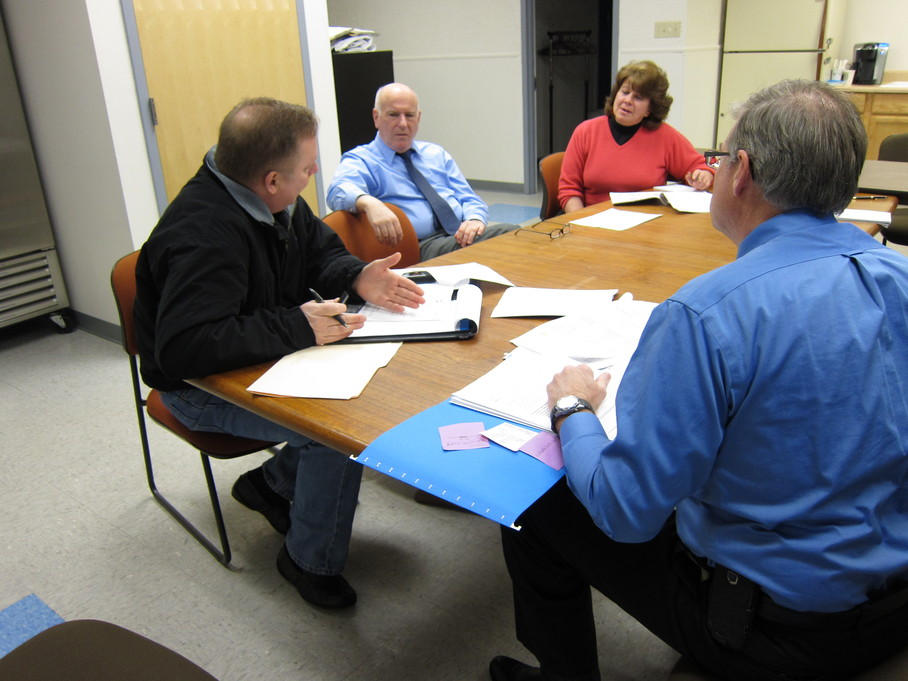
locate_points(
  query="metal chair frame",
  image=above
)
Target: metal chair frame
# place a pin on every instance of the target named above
(217, 445)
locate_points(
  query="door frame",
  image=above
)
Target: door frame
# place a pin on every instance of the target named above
(147, 115)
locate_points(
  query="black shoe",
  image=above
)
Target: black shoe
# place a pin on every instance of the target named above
(503, 668)
(326, 591)
(251, 490)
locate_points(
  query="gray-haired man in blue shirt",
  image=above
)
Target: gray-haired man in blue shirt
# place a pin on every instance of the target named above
(752, 510)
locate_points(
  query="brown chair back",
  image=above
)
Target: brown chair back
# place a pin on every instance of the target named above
(894, 148)
(123, 283)
(549, 171)
(359, 237)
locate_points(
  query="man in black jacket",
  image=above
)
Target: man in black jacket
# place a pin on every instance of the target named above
(224, 281)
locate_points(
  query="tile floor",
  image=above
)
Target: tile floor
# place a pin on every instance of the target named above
(80, 530)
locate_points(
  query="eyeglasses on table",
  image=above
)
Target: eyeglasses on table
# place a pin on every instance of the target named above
(559, 230)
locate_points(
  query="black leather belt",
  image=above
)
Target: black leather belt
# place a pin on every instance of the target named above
(879, 605)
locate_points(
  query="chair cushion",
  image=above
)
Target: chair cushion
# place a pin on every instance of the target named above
(91, 650)
(218, 445)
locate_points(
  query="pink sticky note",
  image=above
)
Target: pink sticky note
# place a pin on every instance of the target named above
(462, 436)
(547, 448)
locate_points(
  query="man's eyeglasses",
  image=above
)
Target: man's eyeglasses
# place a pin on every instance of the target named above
(556, 233)
(713, 157)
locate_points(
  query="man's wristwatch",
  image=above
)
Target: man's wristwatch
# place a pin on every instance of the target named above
(567, 405)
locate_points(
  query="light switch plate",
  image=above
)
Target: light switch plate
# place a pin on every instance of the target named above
(667, 29)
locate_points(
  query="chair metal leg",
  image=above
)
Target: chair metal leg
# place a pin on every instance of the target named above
(223, 555)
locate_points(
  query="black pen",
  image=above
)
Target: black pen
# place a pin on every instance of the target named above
(319, 299)
(857, 198)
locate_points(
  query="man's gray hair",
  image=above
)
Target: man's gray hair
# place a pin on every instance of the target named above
(806, 145)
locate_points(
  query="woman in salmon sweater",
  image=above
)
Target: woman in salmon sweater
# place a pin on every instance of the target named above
(629, 148)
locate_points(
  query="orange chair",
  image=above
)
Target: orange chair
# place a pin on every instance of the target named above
(210, 445)
(549, 171)
(359, 237)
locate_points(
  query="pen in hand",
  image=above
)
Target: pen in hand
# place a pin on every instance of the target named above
(319, 299)
(857, 198)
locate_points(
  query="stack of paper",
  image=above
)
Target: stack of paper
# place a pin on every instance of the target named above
(878, 216)
(516, 389)
(349, 39)
(682, 201)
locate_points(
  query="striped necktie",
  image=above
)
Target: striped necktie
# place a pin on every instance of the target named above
(444, 215)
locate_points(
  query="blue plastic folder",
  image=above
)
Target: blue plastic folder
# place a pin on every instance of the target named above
(493, 482)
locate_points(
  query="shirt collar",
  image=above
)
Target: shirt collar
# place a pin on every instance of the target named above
(248, 200)
(794, 220)
(387, 153)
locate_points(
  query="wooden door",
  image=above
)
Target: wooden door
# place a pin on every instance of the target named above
(202, 57)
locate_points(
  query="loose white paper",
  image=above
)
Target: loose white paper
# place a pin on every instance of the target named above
(616, 219)
(339, 372)
(525, 301)
(509, 435)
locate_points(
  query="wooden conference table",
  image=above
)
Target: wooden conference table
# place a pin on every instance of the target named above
(651, 261)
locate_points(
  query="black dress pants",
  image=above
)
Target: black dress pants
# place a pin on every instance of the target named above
(559, 553)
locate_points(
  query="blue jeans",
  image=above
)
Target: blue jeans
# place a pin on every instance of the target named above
(321, 483)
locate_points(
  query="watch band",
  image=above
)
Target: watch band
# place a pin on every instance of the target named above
(565, 406)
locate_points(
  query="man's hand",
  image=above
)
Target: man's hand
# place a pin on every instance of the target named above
(699, 179)
(325, 327)
(384, 222)
(377, 284)
(579, 382)
(468, 231)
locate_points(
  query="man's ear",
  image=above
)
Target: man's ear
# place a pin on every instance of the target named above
(271, 182)
(375, 116)
(743, 178)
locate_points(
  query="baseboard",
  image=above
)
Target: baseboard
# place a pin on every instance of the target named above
(98, 327)
(489, 185)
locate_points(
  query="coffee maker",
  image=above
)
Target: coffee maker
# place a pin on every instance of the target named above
(869, 63)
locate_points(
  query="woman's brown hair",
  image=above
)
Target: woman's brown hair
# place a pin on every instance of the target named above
(647, 80)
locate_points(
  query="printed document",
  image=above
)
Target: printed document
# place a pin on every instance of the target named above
(449, 311)
(605, 341)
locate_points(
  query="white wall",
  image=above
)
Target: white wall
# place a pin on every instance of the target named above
(691, 61)
(877, 21)
(320, 91)
(80, 99)
(64, 94)
(463, 59)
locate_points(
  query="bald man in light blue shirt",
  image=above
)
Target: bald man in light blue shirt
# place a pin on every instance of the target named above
(374, 173)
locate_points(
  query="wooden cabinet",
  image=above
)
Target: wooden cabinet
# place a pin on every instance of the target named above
(884, 111)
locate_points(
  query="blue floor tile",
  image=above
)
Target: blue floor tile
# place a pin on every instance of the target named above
(24, 619)
(514, 214)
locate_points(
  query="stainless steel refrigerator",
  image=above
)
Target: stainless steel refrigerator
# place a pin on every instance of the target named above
(31, 283)
(765, 42)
